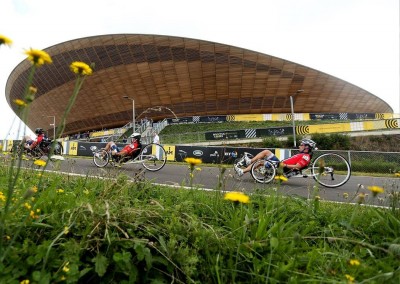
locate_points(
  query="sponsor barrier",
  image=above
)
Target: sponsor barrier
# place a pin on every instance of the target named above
(306, 129)
(178, 153)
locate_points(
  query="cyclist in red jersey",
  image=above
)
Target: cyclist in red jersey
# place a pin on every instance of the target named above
(128, 150)
(296, 162)
(40, 136)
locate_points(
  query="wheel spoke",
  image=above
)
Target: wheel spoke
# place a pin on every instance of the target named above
(101, 158)
(263, 171)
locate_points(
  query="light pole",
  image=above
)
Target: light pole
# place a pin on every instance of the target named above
(54, 125)
(292, 108)
(133, 112)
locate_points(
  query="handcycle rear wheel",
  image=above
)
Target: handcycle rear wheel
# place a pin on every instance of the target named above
(101, 158)
(263, 171)
(153, 157)
(331, 170)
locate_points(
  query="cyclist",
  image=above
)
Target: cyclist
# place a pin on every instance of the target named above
(39, 138)
(296, 162)
(27, 140)
(132, 149)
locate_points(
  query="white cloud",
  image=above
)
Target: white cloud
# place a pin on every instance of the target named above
(354, 40)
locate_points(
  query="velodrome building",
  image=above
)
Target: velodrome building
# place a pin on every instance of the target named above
(184, 76)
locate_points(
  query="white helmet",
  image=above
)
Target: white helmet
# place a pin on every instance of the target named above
(309, 142)
(136, 135)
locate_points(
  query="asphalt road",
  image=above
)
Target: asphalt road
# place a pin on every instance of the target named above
(208, 178)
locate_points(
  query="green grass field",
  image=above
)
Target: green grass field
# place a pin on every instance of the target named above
(62, 229)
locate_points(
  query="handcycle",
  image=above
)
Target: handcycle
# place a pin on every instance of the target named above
(330, 170)
(152, 156)
(44, 148)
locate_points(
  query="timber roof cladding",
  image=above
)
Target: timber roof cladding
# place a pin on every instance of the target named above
(188, 76)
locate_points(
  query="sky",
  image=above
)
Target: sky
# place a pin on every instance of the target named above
(354, 40)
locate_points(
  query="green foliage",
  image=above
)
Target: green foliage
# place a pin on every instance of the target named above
(333, 141)
(272, 142)
(114, 231)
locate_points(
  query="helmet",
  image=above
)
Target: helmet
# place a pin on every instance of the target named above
(39, 131)
(136, 135)
(309, 142)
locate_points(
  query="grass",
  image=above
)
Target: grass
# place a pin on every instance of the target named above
(89, 230)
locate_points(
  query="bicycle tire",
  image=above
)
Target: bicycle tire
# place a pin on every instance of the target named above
(263, 171)
(153, 157)
(101, 158)
(324, 167)
(58, 149)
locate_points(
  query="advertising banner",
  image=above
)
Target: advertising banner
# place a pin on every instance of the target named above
(223, 135)
(275, 131)
(212, 155)
(212, 119)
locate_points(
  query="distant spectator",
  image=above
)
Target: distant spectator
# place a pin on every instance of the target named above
(156, 138)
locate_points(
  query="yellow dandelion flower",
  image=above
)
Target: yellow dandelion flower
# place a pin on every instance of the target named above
(40, 163)
(66, 268)
(80, 68)
(375, 189)
(60, 190)
(354, 262)
(66, 230)
(193, 161)
(345, 195)
(26, 281)
(5, 40)
(32, 90)
(34, 189)
(317, 197)
(397, 174)
(19, 103)
(27, 205)
(349, 278)
(237, 197)
(62, 278)
(8, 238)
(38, 57)
(2, 197)
(281, 178)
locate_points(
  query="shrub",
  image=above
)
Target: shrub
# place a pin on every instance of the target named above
(273, 142)
(333, 141)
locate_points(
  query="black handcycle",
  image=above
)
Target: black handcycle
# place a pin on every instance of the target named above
(44, 148)
(329, 170)
(152, 156)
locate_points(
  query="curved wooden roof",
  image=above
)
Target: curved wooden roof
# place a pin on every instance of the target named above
(188, 76)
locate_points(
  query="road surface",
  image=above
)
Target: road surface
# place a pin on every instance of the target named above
(208, 178)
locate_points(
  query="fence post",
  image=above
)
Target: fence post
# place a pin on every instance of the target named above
(349, 157)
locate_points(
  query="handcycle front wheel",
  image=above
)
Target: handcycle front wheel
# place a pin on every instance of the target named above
(58, 149)
(101, 158)
(153, 157)
(263, 171)
(331, 170)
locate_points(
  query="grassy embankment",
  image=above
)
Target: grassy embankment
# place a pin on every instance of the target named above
(60, 228)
